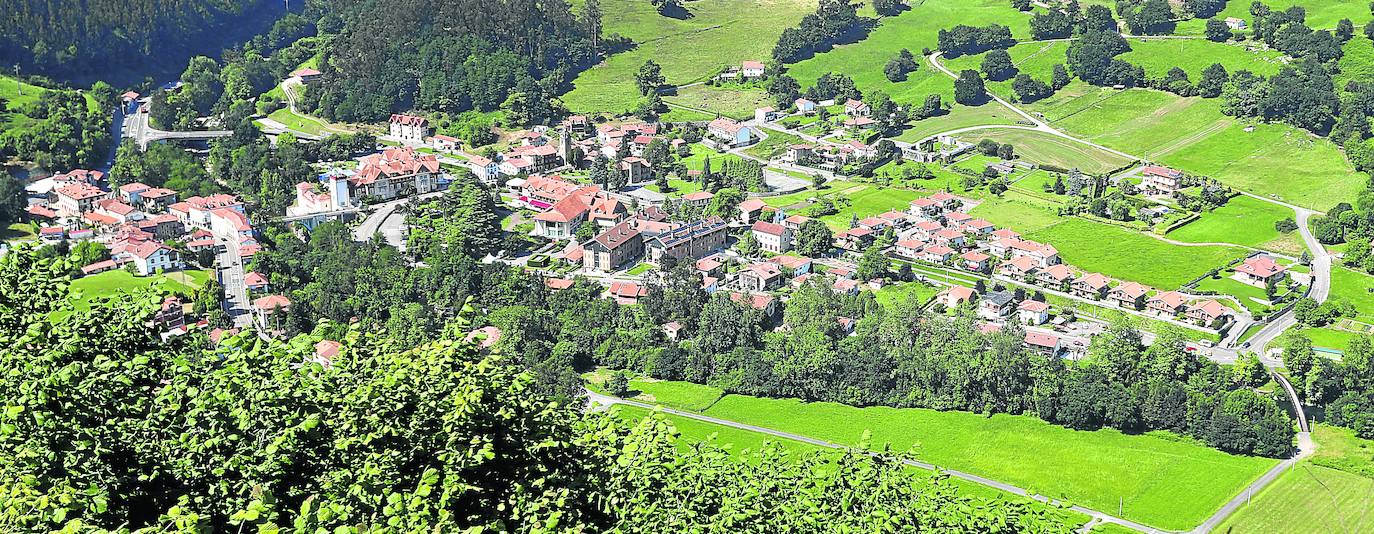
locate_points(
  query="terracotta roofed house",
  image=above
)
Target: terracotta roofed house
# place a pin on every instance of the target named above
(1260, 270)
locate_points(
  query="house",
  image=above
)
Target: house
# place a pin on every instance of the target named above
(613, 248)
(306, 75)
(693, 240)
(924, 208)
(874, 223)
(395, 172)
(751, 70)
(1157, 179)
(1236, 24)
(270, 307)
(729, 132)
(1168, 303)
(1018, 268)
(856, 108)
(117, 210)
(760, 277)
(793, 265)
(860, 123)
(910, 248)
(854, 238)
(1130, 295)
(1091, 286)
(948, 237)
(158, 198)
(82, 176)
(486, 169)
(1005, 233)
(799, 153)
(1043, 342)
(1209, 313)
(772, 237)
(956, 295)
(895, 218)
(558, 284)
(1260, 270)
(804, 106)
(936, 254)
(996, 305)
(946, 201)
(767, 304)
(975, 261)
(710, 266)
(845, 286)
(76, 198)
(765, 114)
(230, 223)
(255, 281)
(1033, 312)
(1056, 277)
(636, 170)
(672, 329)
(750, 210)
(409, 128)
(978, 227)
(957, 219)
(443, 143)
(697, 199)
(131, 192)
(626, 293)
(794, 223)
(1043, 254)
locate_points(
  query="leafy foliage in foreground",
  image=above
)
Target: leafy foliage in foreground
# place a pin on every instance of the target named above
(103, 426)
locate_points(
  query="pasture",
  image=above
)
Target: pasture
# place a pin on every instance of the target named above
(734, 101)
(1130, 255)
(1355, 287)
(719, 33)
(1242, 221)
(1047, 149)
(1333, 491)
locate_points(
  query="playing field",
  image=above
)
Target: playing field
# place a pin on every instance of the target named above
(1163, 481)
(1047, 149)
(119, 281)
(1191, 134)
(719, 33)
(1129, 255)
(1243, 221)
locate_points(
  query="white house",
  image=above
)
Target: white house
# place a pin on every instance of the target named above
(150, 256)
(752, 70)
(805, 105)
(409, 128)
(772, 237)
(730, 132)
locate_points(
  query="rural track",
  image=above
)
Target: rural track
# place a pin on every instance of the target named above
(598, 400)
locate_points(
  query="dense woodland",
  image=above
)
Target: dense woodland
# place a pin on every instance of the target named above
(88, 39)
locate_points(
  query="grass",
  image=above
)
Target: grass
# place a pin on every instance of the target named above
(1242, 221)
(119, 281)
(719, 33)
(1330, 492)
(959, 117)
(17, 232)
(1356, 288)
(892, 295)
(1046, 149)
(298, 122)
(775, 145)
(16, 94)
(1129, 255)
(735, 101)
(679, 187)
(1165, 481)
(1272, 160)
(1245, 293)
(640, 269)
(1321, 14)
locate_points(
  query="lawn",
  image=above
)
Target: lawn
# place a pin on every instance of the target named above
(959, 117)
(1157, 56)
(735, 101)
(1330, 338)
(679, 187)
(1245, 293)
(1046, 149)
(640, 269)
(17, 232)
(111, 283)
(775, 145)
(1191, 134)
(719, 33)
(1332, 491)
(1243, 221)
(1018, 211)
(891, 295)
(298, 122)
(1163, 480)
(1356, 288)
(1129, 255)
(697, 159)
(868, 201)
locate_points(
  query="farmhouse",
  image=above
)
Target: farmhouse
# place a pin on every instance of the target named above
(409, 128)
(1160, 179)
(752, 70)
(1236, 24)
(306, 75)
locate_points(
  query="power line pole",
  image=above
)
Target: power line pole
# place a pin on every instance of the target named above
(18, 85)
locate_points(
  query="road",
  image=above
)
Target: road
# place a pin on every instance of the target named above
(386, 221)
(231, 273)
(596, 400)
(144, 133)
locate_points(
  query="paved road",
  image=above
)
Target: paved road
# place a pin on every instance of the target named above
(597, 400)
(389, 223)
(231, 273)
(144, 133)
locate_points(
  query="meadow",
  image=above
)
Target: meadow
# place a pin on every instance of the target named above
(1321, 14)
(719, 33)
(1046, 149)
(734, 101)
(1356, 288)
(1243, 221)
(892, 295)
(1129, 255)
(119, 282)
(1333, 491)
(1162, 480)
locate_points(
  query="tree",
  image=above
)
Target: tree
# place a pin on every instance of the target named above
(887, 8)
(1051, 24)
(814, 238)
(968, 88)
(1250, 372)
(1344, 30)
(1213, 81)
(1097, 18)
(748, 245)
(997, 65)
(1285, 225)
(1060, 77)
(898, 67)
(1021, 5)
(872, 264)
(1029, 89)
(667, 7)
(618, 385)
(784, 89)
(649, 78)
(1218, 31)
(1202, 9)
(930, 107)
(1150, 17)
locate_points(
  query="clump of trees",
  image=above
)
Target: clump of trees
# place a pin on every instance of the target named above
(964, 39)
(1093, 59)
(833, 22)
(899, 67)
(62, 131)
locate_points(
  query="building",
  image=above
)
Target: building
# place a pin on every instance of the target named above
(626, 293)
(856, 108)
(936, 254)
(409, 128)
(1043, 342)
(1018, 268)
(1209, 313)
(230, 223)
(78, 197)
(975, 261)
(613, 248)
(996, 305)
(149, 257)
(910, 248)
(772, 237)
(1043, 254)
(270, 308)
(729, 132)
(443, 143)
(1091, 286)
(1130, 295)
(561, 220)
(751, 210)
(1260, 271)
(692, 240)
(956, 295)
(333, 196)
(760, 277)
(636, 170)
(752, 70)
(306, 76)
(255, 281)
(1168, 303)
(486, 169)
(1157, 179)
(1236, 24)
(1033, 312)
(793, 265)
(395, 172)
(1056, 277)
(804, 105)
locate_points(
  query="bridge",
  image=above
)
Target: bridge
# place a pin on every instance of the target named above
(138, 129)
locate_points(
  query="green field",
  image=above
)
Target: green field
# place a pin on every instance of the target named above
(959, 117)
(1356, 288)
(775, 145)
(892, 295)
(915, 29)
(1191, 134)
(1163, 481)
(1046, 149)
(111, 283)
(1242, 221)
(864, 200)
(1333, 491)
(1321, 14)
(737, 102)
(1130, 255)
(14, 95)
(719, 33)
